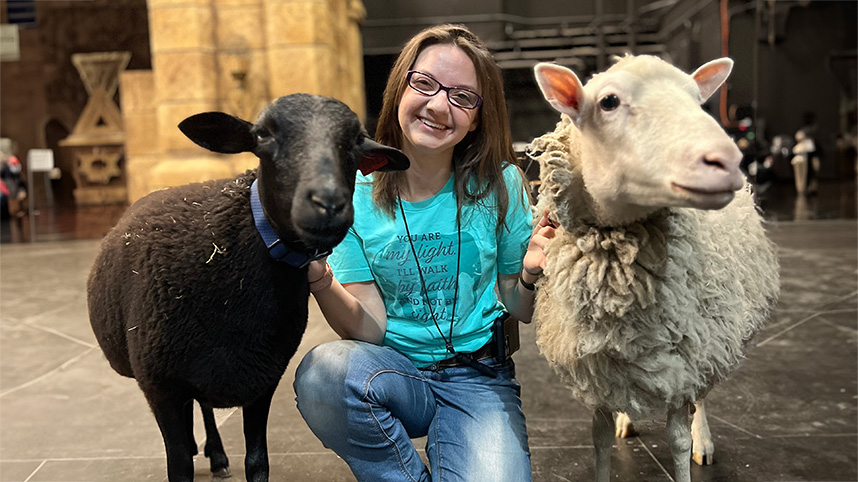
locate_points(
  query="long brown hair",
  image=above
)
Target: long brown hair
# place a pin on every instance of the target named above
(479, 159)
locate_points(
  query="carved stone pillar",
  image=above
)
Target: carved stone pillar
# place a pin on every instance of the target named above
(97, 140)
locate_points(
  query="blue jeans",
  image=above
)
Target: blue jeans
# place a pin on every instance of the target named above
(365, 402)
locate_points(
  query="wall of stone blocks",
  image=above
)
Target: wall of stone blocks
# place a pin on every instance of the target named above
(233, 56)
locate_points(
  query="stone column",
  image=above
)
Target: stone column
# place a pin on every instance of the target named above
(139, 114)
(241, 57)
(184, 64)
(243, 65)
(351, 55)
(300, 43)
(233, 56)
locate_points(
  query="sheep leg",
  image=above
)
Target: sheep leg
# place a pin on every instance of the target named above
(603, 440)
(189, 417)
(624, 426)
(679, 434)
(255, 438)
(214, 446)
(171, 415)
(702, 447)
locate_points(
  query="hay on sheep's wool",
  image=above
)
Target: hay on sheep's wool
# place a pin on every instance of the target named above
(648, 316)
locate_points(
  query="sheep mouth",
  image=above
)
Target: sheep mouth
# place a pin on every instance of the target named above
(322, 236)
(704, 198)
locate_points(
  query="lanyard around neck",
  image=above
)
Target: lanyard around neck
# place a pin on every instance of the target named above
(447, 342)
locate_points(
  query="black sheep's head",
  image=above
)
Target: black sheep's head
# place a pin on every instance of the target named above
(309, 149)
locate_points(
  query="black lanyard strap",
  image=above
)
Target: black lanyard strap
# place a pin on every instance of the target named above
(462, 358)
(448, 343)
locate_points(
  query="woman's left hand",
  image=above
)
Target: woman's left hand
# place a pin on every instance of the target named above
(534, 259)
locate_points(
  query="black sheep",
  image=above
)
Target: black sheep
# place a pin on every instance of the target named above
(187, 298)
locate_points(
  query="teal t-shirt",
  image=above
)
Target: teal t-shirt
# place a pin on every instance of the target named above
(377, 248)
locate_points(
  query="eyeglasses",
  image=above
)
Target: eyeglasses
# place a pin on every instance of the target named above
(458, 96)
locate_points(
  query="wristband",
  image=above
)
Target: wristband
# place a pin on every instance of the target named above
(324, 281)
(527, 286)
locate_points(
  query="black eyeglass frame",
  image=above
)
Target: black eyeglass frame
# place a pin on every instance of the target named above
(444, 88)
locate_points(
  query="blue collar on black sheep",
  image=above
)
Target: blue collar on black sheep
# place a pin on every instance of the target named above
(277, 249)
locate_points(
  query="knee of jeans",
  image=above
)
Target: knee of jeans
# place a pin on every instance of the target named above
(323, 390)
(322, 369)
(500, 451)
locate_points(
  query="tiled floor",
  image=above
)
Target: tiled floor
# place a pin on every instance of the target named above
(789, 414)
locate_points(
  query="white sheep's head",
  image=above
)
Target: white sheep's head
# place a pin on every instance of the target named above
(645, 141)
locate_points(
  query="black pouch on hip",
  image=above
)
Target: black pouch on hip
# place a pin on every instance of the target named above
(505, 337)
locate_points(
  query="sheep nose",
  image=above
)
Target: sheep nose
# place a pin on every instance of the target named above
(724, 165)
(327, 201)
(727, 159)
(715, 161)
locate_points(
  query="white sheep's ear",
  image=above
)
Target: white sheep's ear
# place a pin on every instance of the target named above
(711, 75)
(561, 88)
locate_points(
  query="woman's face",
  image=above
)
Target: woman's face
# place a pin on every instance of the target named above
(432, 126)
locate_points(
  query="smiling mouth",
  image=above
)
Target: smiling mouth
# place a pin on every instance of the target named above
(433, 125)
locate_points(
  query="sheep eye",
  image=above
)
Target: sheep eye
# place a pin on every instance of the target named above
(609, 102)
(262, 135)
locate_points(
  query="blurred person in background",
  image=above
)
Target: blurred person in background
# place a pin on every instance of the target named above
(12, 187)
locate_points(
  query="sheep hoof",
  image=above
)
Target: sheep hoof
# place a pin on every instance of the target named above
(623, 426)
(703, 458)
(222, 473)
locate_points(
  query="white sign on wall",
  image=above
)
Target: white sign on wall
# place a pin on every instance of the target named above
(40, 160)
(10, 47)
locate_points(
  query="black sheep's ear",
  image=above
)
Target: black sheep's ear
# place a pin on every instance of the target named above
(378, 157)
(219, 132)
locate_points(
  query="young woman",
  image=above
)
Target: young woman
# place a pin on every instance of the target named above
(415, 297)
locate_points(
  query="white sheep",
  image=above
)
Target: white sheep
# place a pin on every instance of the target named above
(651, 290)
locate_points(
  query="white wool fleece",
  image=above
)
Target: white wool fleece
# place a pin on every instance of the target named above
(645, 317)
